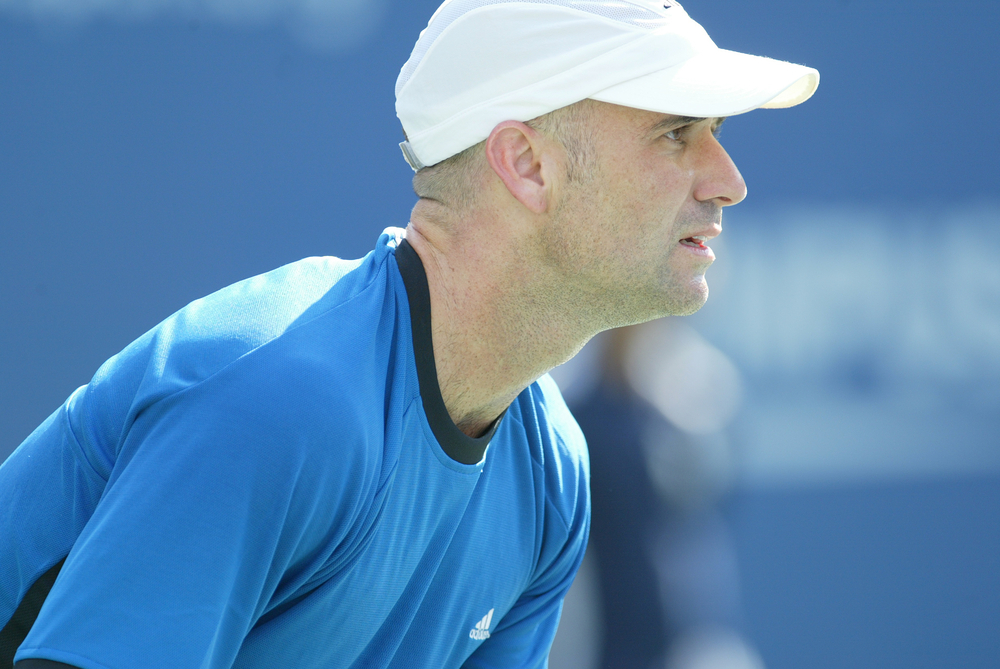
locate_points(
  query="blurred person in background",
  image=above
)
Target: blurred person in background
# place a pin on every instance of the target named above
(654, 406)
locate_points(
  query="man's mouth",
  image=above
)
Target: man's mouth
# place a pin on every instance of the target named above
(697, 242)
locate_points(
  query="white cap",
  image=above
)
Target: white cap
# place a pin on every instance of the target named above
(481, 62)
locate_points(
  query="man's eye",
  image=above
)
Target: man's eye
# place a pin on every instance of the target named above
(674, 134)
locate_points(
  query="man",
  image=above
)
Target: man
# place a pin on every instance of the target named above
(362, 463)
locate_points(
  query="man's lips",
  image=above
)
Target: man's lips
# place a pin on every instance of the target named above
(699, 240)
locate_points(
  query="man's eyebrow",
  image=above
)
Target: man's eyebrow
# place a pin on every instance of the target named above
(671, 122)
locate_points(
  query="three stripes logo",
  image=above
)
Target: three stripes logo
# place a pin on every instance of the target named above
(482, 629)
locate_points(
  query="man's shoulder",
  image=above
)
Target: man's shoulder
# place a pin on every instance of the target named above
(254, 315)
(257, 310)
(561, 481)
(317, 328)
(556, 421)
(560, 450)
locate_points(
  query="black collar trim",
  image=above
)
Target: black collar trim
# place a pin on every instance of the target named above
(455, 443)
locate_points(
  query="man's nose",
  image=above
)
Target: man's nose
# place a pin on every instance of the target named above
(720, 179)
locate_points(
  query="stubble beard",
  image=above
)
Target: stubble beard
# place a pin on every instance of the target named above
(632, 286)
(606, 292)
(669, 293)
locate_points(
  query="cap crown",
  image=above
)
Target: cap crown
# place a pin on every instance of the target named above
(480, 62)
(643, 14)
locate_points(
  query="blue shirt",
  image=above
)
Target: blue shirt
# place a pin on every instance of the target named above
(266, 480)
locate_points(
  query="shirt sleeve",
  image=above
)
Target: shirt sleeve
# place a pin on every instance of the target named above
(221, 505)
(524, 636)
(47, 492)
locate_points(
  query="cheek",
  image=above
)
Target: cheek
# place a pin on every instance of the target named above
(657, 199)
(631, 198)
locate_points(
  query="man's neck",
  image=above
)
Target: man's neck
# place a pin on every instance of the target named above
(494, 327)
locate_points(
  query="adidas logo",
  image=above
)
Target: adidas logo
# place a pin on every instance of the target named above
(482, 629)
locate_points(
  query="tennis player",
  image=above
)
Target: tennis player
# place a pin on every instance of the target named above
(363, 463)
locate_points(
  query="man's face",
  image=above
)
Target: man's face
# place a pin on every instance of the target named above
(633, 226)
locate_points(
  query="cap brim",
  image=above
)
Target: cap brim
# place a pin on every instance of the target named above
(716, 83)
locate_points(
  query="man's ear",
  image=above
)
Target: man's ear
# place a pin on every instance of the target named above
(519, 156)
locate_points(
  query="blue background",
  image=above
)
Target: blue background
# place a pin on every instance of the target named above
(146, 162)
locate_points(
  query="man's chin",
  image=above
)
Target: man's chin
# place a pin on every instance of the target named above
(690, 300)
(677, 300)
(688, 309)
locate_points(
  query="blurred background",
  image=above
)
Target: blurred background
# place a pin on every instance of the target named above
(816, 458)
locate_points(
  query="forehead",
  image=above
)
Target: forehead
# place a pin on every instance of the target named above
(611, 115)
(638, 123)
